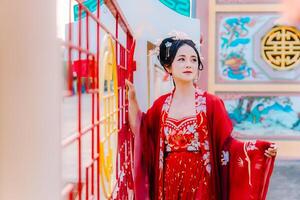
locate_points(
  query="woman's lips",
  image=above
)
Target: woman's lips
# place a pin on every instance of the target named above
(187, 72)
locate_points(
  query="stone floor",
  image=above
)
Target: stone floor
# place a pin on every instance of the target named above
(285, 181)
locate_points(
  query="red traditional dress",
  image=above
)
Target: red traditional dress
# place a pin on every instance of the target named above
(195, 157)
(183, 162)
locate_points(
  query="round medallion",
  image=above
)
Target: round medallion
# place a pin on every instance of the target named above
(109, 116)
(281, 48)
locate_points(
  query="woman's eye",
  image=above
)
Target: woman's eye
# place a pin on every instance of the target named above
(194, 60)
(181, 59)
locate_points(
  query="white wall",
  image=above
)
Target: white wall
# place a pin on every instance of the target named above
(151, 20)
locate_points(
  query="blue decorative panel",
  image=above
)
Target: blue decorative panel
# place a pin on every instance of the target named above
(268, 115)
(239, 48)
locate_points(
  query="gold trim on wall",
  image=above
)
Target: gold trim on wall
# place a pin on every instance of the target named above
(248, 8)
(257, 88)
(211, 46)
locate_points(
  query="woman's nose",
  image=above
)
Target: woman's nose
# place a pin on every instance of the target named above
(188, 66)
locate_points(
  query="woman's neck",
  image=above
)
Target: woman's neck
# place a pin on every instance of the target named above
(184, 90)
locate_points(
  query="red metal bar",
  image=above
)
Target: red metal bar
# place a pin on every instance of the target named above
(71, 196)
(68, 189)
(70, 139)
(80, 49)
(88, 12)
(116, 10)
(69, 44)
(86, 82)
(93, 121)
(86, 183)
(98, 102)
(122, 67)
(117, 36)
(79, 107)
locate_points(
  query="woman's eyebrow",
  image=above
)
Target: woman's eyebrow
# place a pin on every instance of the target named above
(182, 55)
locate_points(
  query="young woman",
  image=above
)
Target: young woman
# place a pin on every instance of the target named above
(183, 148)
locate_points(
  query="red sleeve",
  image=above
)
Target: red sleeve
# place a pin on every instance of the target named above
(242, 170)
(145, 149)
(220, 128)
(221, 124)
(141, 155)
(249, 170)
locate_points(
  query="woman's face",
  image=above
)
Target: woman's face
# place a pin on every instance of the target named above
(185, 64)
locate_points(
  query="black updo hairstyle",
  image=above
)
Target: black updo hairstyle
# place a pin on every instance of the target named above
(166, 59)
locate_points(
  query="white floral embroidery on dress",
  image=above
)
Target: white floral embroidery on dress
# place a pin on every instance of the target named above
(161, 156)
(201, 107)
(168, 148)
(206, 158)
(166, 130)
(206, 145)
(194, 145)
(191, 128)
(208, 168)
(116, 190)
(240, 162)
(224, 157)
(191, 148)
(251, 146)
(196, 134)
(200, 103)
(167, 103)
(207, 162)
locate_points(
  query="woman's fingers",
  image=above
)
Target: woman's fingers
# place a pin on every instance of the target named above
(129, 86)
(271, 151)
(130, 89)
(268, 155)
(128, 83)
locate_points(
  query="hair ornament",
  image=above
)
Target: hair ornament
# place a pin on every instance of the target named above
(177, 35)
(168, 45)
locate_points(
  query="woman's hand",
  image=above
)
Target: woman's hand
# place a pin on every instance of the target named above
(271, 151)
(134, 111)
(130, 91)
